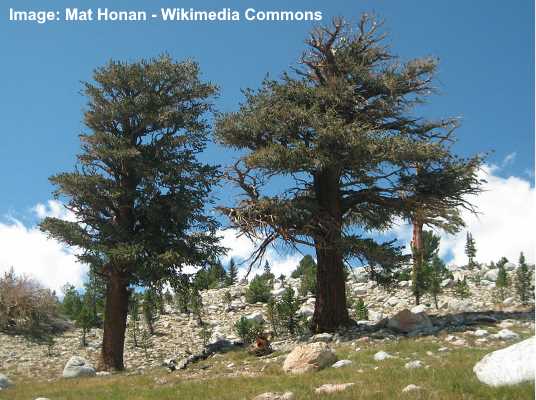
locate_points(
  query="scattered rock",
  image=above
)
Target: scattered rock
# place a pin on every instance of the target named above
(382, 355)
(342, 363)
(414, 364)
(491, 275)
(508, 366)
(406, 321)
(480, 333)
(418, 309)
(509, 301)
(275, 396)
(505, 334)
(309, 357)
(4, 382)
(329, 388)
(322, 337)
(257, 317)
(411, 388)
(77, 367)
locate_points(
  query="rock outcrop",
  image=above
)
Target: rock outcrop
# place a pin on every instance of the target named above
(508, 366)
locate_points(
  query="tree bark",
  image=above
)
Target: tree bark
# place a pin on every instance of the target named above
(417, 248)
(330, 307)
(115, 322)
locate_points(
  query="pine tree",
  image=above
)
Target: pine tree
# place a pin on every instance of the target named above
(149, 307)
(85, 319)
(502, 283)
(134, 311)
(139, 193)
(342, 130)
(361, 310)
(461, 289)
(470, 250)
(232, 273)
(72, 301)
(523, 281)
(436, 273)
(267, 274)
(287, 310)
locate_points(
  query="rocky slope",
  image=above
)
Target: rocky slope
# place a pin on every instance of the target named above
(178, 335)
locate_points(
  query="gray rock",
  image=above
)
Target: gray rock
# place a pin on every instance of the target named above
(509, 266)
(78, 367)
(414, 364)
(256, 316)
(382, 355)
(508, 366)
(505, 334)
(322, 337)
(329, 388)
(306, 310)
(4, 382)
(342, 363)
(447, 283)
(491, 275)
(410, 388)
(275, 396)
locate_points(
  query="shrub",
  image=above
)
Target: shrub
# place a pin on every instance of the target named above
(25, 306)
(248, 329)
(259, 290)
(205, 333)
(227, 298)
(461, 289)
(361, 310)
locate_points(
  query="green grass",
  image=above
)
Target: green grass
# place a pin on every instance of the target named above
(449, 377)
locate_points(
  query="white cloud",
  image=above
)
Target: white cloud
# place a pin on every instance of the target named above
(509, 159)
(503, 227)
(31, 253)
(241, 248)
(54, 209)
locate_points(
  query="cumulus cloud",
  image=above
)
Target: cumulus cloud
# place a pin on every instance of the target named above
(240, 249)
(28, 251)
(503, 227)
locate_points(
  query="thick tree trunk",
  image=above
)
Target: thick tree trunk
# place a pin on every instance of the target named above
(115, 322)
(417, 248)
(330, 307)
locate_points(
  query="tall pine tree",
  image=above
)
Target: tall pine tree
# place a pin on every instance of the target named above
(341, 129)
(138, 191)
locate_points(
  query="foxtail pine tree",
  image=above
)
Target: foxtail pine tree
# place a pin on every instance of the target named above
(138, 192)
(339, 128)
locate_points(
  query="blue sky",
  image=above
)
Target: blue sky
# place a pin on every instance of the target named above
(486, 77)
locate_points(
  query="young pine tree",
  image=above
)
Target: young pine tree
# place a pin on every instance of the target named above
(232, 273)
(523, 281)
(139, 193)
(150, 309)
(134, 311)
(470, 250)
(361, 310)
(461, 289)
(502, 283)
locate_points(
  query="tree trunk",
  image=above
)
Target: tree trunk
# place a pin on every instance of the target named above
(115, 322)
(417, 248)
(330, 307)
